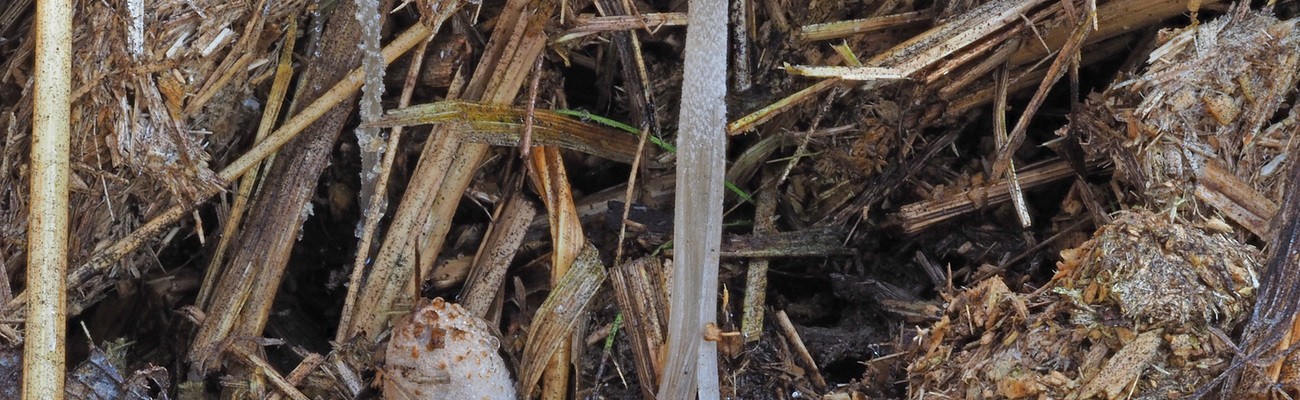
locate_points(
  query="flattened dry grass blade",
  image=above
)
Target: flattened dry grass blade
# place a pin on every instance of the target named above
(501, 125)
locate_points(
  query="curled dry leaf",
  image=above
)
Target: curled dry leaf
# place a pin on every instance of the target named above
(442, 351)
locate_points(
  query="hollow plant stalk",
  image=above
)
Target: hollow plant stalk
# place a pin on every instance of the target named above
(47, 234)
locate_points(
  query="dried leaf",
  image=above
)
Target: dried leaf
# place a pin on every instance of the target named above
(558, 314)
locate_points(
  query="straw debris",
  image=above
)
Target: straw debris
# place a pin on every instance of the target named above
(957, 199)
(1131, 312)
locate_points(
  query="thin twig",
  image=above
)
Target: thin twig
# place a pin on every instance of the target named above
(1058, 68)
(299, 373)
(277, 381)
(1000, 138)
(783, 321)
(627, 195)
(526, 138)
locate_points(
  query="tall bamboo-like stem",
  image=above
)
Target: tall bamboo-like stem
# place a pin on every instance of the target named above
(697, 221)
(47, 232)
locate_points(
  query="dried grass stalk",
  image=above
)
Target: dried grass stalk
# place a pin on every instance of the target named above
(89, 277)
(242, 299)
(501, 125)
(697, 216)
(518, 36)
(641, 294)
(229, 229)
(495, 254)
(47, 235)
(567, 240)
(557, 316)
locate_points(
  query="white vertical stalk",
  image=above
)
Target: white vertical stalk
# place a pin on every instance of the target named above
(47, 232)
(697, 220)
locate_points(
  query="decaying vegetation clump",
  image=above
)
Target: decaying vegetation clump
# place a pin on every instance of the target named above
(1144, 308)
(954, 199)
(1199, 131)
(1132, 312)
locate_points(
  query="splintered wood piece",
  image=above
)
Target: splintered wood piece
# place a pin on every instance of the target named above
(1125, 367)
(919, 216)
(848, 73)
(969, 98)
(808, 243)
(755, 303)
(839, 29)
(494, 255)
(911, 56)
(638, 287)
(742, 33)
(587, 24)
(957, 33)
(1235, 199)
(1114, 18)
